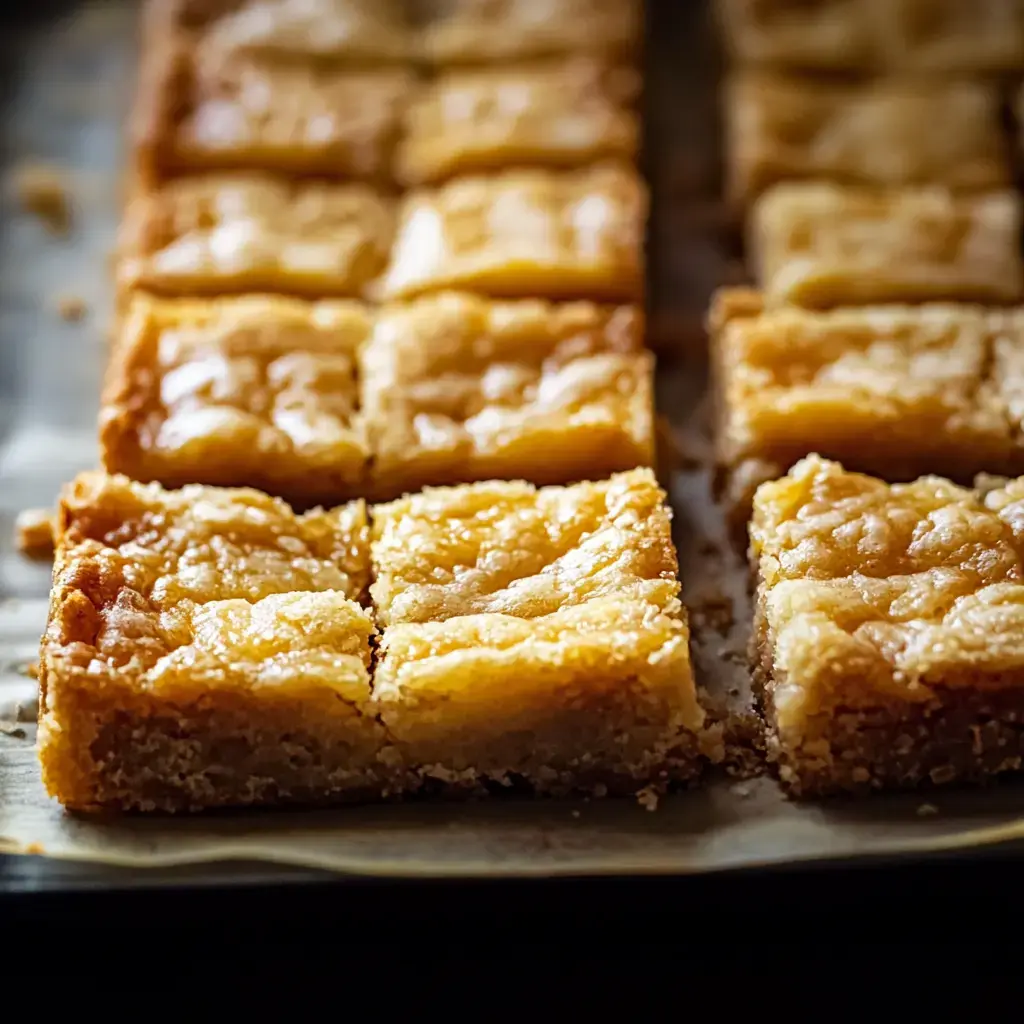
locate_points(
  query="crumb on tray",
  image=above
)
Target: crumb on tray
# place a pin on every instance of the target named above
(71, 307)
(43, 191)
(33, 532)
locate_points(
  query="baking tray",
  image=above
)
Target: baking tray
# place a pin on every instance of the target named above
(67, 74)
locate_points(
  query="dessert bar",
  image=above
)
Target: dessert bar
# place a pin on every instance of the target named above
(492, 31)
(524, 234)
(535, 634)
(896, 391)
(820, 245)
(206, 648)
(894, 36)
(210, 647)
(890, 629)
(338, 31)
(226, 234)
(200, 112)
(565, 114)
(457, 388)
(884, 133)
(248, 391)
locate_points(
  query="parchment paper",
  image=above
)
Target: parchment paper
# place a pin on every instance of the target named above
(69, 83)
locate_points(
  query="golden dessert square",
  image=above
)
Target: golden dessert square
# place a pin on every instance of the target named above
(338, 31)
(881, 132)
(226, 234)
(890, 629)
(820, 35)
(199, 112)
(524, 234)
(950, 36)
(535, 634)
(456, 388)
(564, 114)
(820, 245)
(250, 391)
(205, 648)
(896, 391)
(492, 31)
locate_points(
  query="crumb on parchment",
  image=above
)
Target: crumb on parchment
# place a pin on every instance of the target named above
(648, 798)
(33, 532)
(71, 307)
(43, 191)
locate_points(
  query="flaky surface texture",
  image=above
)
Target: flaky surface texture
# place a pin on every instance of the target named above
(517, 550)
(456, 388)
(489, 31)
(563, 114)
(224, 234)
(886, 602)
(880, 133)
(820, 245)
(896, 391)
(199, 111)
(254, 390)
(524, 233)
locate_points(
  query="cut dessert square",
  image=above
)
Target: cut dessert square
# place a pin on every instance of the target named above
(567, 114)
(881, 133)
(820, 35)
(521, 234)
(896, 391)
(205, 648)
(890, 629)
(250, 391)
(226, 234)
(950, 35)
(341, 31)
(535, 634)
(456, 388)
(490, 31)
(820, 245)
(200, 112)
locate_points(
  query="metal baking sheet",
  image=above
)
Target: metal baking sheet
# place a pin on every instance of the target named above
(67, 81)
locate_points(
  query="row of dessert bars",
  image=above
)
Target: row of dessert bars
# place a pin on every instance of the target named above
(272, 139)
(884, 237)
(210, 646)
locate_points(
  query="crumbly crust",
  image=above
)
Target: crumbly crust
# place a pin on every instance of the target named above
(455, 388)
(879, 133)
(565, 114)
(224, 234)
(205, 648)
(895, 391)
(820, 245)
(199, 111)
(517, 550)
(520, 234)
(888, 613)
(491, 31)
(256, 391)
(348, 31)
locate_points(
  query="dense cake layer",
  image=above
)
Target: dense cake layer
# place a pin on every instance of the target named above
(560, 114)
(889, 628)
(492, 31)
(199, 112)
(820, 245)
(896, 391)
(227, 234)
(524, 234)
(879, 133)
